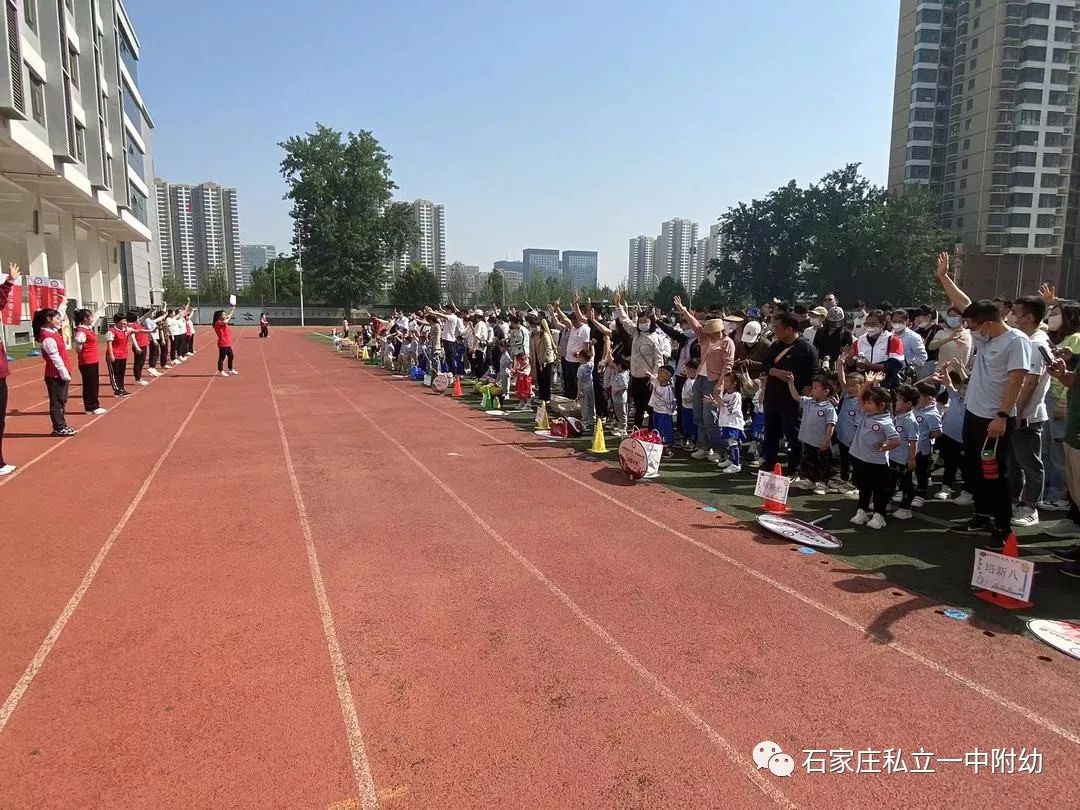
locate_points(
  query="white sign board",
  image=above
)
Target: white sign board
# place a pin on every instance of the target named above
(1063, 636)
(232, 300)
(1009, 576)
(772, 487)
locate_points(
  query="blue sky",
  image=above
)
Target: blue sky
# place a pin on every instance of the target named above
(557, 124)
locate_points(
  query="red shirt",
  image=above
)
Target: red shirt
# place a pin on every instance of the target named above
(5, 291)
(119, 342)
(88, 351)
(142, 336)
(224, 337)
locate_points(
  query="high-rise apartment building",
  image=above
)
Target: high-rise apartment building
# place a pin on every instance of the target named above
(199, 233)
(252, 257)
(75, 151)
(640, 276)
(504, 265)
(540, 263)
(674, 252)
(983, 115)
(707, 249)
(429, 247)
(579, 268)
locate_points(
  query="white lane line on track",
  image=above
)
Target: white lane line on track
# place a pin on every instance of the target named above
(47, 645)
(628, 658)
(365, 784)
(44, 453)
(1029, 714)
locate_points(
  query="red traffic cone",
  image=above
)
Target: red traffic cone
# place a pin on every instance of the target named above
(457, 387)
(1002, 601)
(775, 507)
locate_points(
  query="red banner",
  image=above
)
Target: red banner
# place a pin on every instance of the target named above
(11, 314)
(46, 293)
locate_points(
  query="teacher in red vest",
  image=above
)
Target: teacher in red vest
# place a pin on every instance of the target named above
(46, 324)
(119, 345)
(89, 354)
(5, 292)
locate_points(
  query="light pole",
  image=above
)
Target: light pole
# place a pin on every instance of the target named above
(300, 272)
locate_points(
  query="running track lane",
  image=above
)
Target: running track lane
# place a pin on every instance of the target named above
(194, 672)
(809, 676)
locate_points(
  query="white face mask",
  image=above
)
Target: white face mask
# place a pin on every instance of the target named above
(815, 322)
(873, 331)
(1054, 322)
(899, 327)
(643, 326)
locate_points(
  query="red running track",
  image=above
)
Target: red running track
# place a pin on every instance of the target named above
(316, 585)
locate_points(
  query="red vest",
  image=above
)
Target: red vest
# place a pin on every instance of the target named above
(61, 347)
(142, 336)
(88, 351)
(119, 342)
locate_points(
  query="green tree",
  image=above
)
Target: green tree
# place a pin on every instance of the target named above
(175, 291)
(535, 291)
(666, 291)
(214, 289)
(495, 292)
(349, 228)
(279, 280)
(415, 288)
(705, 297)
(457, 285)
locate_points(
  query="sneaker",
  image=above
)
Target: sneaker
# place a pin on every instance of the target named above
(1067, 529)
(801, 483)
(712, 456)
(1068, 555)
(723, 463)
(902, 514)
(976, 525)
(143, 382)
(65, 431)
(944, 494)
(1025, 516)
(964, 499)
(223, 374)
(917, 502)
(7, 469)
(1054, 506)
(1071, 570)
(852, 493)
(153, 372)
(700, 453)
(898, 497)
(861, 518)
(234, 372)
(995, 544)
(876, 522)
(820, 489)
(755, 463)
(96, 412)
(731, 469)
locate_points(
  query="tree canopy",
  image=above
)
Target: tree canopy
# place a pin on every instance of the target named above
(278, 281)
(415, 288)
(665, 293)
(215, 287)
(175, 290)
(345, 219)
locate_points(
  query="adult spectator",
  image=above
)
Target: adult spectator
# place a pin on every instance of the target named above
(832, 339)
(1064, 333)
(717, 360)
(927, 327)
(1002, 361)
(794, 354)
(541, 355)
(953, 342)
(646, 358)
(752, 348)
(914, 348)
(879, 351)
(1026, 475)
(858, 320)
(577, 335)
(816, 317)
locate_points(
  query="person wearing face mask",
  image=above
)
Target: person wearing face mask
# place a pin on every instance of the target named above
(914, 348)
(793, 358)
(952, 342)
(717, 361)
(646, 358)
(1002, 362)
(858, 320)
(541, 355)
(1063, 324)
(685, 346)
(877, 351)
(927, 327)
(816, 317)
(1026, 476)
(752, 348)
(832, 339)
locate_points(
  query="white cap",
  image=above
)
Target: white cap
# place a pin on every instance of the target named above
(751, 332)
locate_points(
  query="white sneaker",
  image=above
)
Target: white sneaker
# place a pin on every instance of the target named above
(901, 514)
(801, 483)
(861, 518)
(724, 463)
(731, 469)
(143, 382)
(223, 374)
(918, 503)
(852, 493)
(234, 372)
(7, 469)
(820, 489)
(699, 453)
(944, 494)
(898, 497)
(1025, 516)
(712, 456)
(876, 522)
(96, 412)
(964, 499)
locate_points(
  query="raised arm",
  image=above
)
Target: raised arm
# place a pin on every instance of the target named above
(958, 297)
(694, 323)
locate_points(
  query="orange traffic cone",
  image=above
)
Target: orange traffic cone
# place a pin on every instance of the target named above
(457, 387)
(1007, 602)
(775, 507)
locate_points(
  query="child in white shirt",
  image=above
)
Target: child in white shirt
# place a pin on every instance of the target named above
(729, 418)
(686, 413)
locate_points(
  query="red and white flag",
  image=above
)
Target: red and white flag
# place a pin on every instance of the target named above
(11, 314)
(45, 293)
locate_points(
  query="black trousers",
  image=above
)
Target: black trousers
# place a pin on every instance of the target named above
(903, 480)
(155, 353)
(140, 361)
(952, 454)
(816, 464)
(223, 353)
(569, 379)
(599, 395)
(91, 383)
(174, 347)
(874, 482)
(3, 413)
(922, 474)
(117, 370)
(845, 461)
(992, 498)
(640, 391)
(58, 397)
(781, 421)
(479, 362)
(264, 331)
(543, 382)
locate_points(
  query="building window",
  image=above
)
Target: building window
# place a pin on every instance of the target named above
(1050, 181)
(967, 125)
(1023, 179)
(1016, 240)
(73, 66)
(80, 142)
(1045, 240)
(1048, 200)
(1031, 95)
(1031, 117)
(961, 202)
(1019, 220)
(37, 98)
(964, 163)
(970, 103)
(959, 222)
(1023, 159)
(967, 143)
(975, 24)
(963, 185)
(1051, 160)
(1019, 201)
(30, 14)
(971, 84)
(1045, 221)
